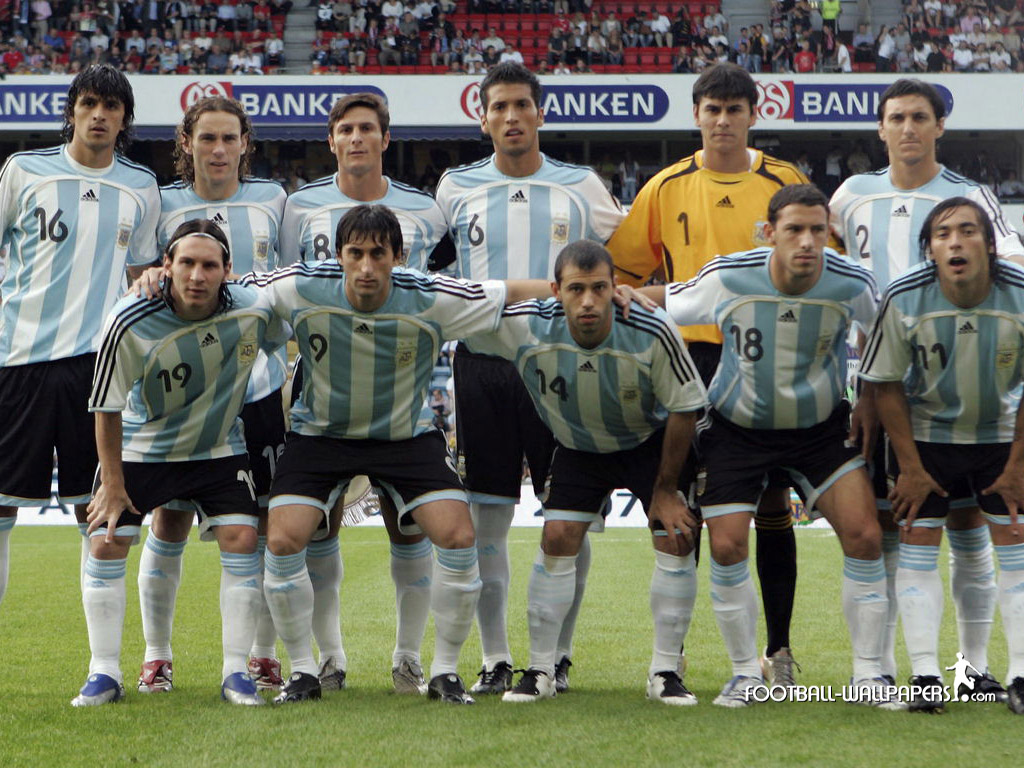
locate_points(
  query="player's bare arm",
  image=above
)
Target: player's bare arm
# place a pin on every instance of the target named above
(111, 498)
(1010, 484)
(914, 483)
(667, 505)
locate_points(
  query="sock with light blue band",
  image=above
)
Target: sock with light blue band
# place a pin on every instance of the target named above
(734, 602)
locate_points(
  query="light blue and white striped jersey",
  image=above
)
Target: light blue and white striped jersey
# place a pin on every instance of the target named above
(609, 398)
(312, 213)
(366, 374)
(880, 224)
(180, 383)
(783, 360)
(69, 232)
(512, 228)
(251, 219)
(960, 367)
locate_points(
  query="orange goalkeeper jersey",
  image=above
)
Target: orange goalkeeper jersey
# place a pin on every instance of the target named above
(686, 215)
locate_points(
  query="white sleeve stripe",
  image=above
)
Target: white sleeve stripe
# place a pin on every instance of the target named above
(108, 353)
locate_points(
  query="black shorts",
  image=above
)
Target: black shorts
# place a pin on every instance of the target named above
(706, 356)
(736, 461)
(45, 407)
(221, 490)
(264, 440)
(580, 483)
(316, 470)
(963, 471)
(496, 425)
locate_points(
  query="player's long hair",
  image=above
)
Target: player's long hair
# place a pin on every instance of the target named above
(375, 222)
(183, 164)
(209, 229)
(107, 83)
(942, 210)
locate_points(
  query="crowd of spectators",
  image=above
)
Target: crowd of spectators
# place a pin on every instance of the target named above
(152, 36)
(550, 36)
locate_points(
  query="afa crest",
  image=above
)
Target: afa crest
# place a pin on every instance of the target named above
(247, 349)
(560, 231)
(405, 355)
(124, 235)
(260, 251)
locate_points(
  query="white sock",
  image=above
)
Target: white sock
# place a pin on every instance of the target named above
(159, 578)
(492, 522)
(323, 560)
(1011, 605)
(891, 557)
(972, 579)
(552, 585)
(411, 569)
(673, 593)
(84, 555)
(453, 597)
(264, 646)
(866, 609)
(103, 598)
(920, 595)
(6, 526)
(734, 602)
(290, 597)
(564, 647)
(241, 584)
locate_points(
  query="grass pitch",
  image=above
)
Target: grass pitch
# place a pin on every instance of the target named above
(603, 721)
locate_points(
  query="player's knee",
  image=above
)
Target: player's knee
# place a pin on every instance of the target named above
(171, 526)
(100, 549)
(561, 539)
(729, 549)
(239, 539)
(456, 537)
(863, 542)
(282, 541)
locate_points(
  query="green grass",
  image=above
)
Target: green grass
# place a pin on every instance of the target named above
(604, 720)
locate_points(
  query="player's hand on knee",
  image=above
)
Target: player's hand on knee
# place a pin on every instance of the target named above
(106, 507)
(149, 284)
(668, 508)
(1010, 486)
(909, 494)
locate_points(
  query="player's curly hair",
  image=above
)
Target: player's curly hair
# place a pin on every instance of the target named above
(183, 164)
(939, 213)
(206, 228)
(107, 83)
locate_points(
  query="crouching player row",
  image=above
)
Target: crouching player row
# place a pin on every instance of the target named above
(946, 361)
(170, 379)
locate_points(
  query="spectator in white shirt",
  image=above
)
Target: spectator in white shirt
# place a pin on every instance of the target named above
(963, 58)
(661, 26)
(494, 40)
(511, 54)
